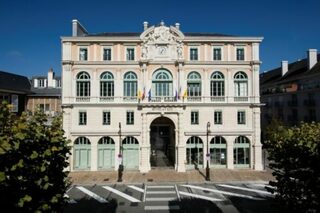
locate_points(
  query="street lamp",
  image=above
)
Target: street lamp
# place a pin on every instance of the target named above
(208, 154)
(120, 157)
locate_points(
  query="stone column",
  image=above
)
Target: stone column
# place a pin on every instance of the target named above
(145, 146)
(230, 142)
(180, 146)
(94, 153)
(256, 140)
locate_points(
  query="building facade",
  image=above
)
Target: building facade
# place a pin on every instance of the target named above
(46, 94)
(14, 90)
(161, 98)
(291, 92)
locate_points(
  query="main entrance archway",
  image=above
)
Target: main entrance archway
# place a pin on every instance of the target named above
(162, 142)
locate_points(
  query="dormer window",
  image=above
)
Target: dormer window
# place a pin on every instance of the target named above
(41, 82)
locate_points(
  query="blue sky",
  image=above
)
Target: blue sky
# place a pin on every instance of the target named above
(30, 30)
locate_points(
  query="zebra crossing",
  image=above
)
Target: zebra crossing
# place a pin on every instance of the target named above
(165, 197)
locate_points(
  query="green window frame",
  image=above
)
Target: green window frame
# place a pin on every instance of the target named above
(217, 117)
(106, 118)
(130, 117)
(82, 118)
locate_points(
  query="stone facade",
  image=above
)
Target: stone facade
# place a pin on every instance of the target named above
(164, 93)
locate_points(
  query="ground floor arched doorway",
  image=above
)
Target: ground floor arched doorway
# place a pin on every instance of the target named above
(162, 142)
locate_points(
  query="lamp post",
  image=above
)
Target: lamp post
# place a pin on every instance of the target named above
(208, 154)
(120, 157)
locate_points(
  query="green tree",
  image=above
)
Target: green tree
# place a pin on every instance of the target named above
(32, 163)
(294, 154)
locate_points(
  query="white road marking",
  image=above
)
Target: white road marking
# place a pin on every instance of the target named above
(161, 208)
(245, 189)
(223, 192)
(72, 201)
(177, 192)
(161, 192)
(161, 198)
(200, 196)
(136, 188)
(91, 194)
(160, 187)
(132, 199)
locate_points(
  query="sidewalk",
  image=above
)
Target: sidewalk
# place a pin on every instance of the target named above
(166, 175)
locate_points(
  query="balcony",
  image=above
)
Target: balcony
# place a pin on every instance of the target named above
(159, 99)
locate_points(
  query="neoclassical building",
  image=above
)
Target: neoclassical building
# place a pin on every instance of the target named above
(161, 98)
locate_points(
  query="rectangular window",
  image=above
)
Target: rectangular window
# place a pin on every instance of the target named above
(240, 54)
(106, 118)
(41, 82)
(107, 54)
(241, 117)
(217, 117)
(193, 54)
(130, 117)
(82, 118)
(83, 54)
(130, 54)
(194, 117)
(44, 107)
(217, 54)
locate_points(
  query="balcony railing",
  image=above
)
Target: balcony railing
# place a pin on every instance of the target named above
(160, 99)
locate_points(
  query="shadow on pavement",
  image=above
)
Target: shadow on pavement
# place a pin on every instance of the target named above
(89, 205)
(261, 206)
(195, 205)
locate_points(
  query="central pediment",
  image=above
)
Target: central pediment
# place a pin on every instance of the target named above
(162, 43)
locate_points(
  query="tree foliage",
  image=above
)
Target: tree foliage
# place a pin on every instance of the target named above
(33, 159)
(294, 154)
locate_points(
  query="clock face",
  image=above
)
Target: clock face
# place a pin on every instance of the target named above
(162, 50)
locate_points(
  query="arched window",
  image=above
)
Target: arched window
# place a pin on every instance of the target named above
(241, 152)
(194, 86)
(130, 85)
(162, 83)
(194, 152)
(130, 140)
(82, 153)
(217, 86)
(218, 151)
(106, 140)
(241, 84)
(106, 86)
(83, 84)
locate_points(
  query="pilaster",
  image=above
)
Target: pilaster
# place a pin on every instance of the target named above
(230, 142)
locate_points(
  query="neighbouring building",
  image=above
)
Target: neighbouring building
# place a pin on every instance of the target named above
(291, 92)
(46, 94)
(14, 89)
(161, 98)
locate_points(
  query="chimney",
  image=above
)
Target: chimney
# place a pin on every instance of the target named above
(50, 77)
(284, 67)
(178, 26)
(145, 25)
(312, 58)
(78, 29)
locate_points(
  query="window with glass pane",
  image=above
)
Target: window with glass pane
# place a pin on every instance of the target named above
(194, 117)
(194, 152)
(106, 85)
(162, 83)
(130, 117)
(193, 54)
(217, 84)
(217, 54)
(241, 152)
(130, 84)
(41, 82)
(106, 118)
(240, 54)
(82, 118)
(107, 54)
(241, 84)
(194, 84)
(241, 117)
(218, 151)
(83, 84)
(83, 54)
(130, 54)
(218, 117)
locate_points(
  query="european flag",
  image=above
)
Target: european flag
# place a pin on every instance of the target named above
(149, 95)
